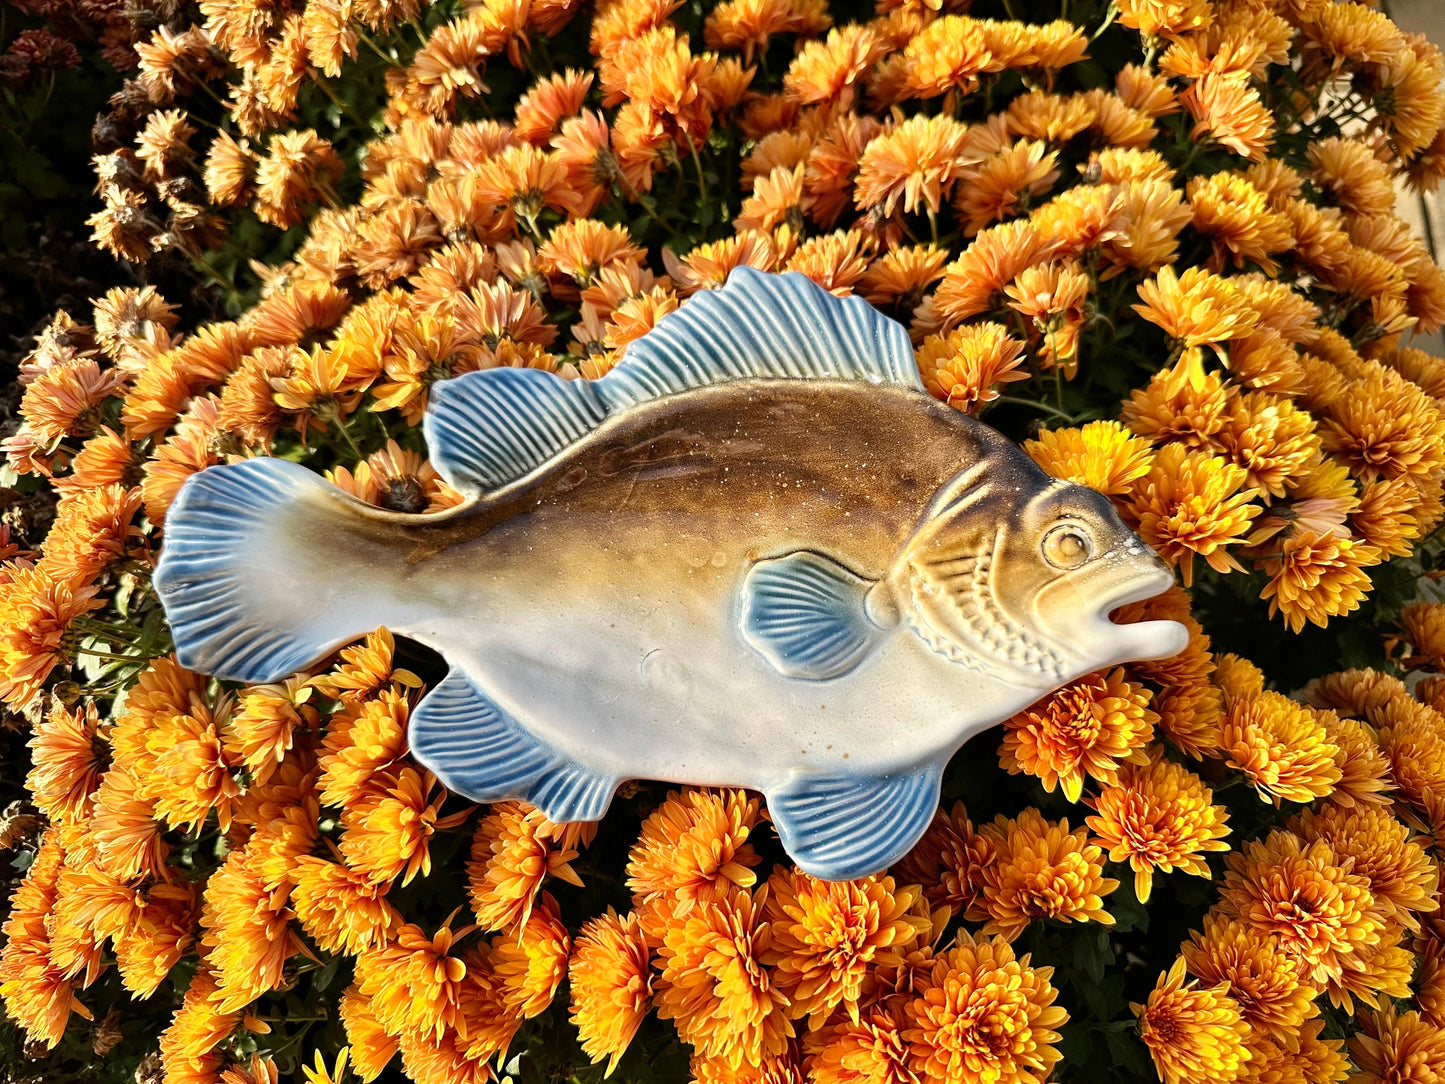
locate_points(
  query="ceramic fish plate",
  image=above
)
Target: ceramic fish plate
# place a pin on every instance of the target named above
(757, 553)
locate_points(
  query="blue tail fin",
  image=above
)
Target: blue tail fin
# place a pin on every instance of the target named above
(255, 574)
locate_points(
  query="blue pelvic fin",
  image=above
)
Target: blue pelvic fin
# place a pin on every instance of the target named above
(486, 429)
(235, 536)
(804, 614)
(477, 749)
(840, 828)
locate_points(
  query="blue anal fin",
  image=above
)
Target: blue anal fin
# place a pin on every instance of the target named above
(804, 613)
(840, 828)
(478, 750)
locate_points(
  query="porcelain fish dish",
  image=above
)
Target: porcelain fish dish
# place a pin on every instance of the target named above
(756, 553)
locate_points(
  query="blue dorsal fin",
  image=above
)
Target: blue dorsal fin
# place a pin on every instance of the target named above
(840, 828)
(804, 614)
(488, 428)
(768, 326)
(478, 750)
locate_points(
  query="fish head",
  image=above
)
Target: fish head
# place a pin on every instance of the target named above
(1016, 574)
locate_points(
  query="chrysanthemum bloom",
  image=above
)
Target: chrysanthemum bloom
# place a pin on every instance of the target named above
(1261, 979)
(1005, 184)
(65, 400)
(1197, 308)
(1159, 817)
(871, 1049)
(1042, 871)
(1383, 851)
(1395, 1046)
(1194, 1034)
(67, 755)
(188, 1045)
(1384, 426)
(1189, 504)
(1315, 577)
(248, 931)
(1228, 110)
(530, 962)
(1053, 296)
(983, 1014)
(1237, 219)
(1374, 972)
(611, 985)
(964, 367)
(339, 908)
(388, 830)
(146, 952)
(1271, 438)
(692, 850)
(1190, 717)
(948, 54)
(1424, 626)
(299, 167)
(1299, 894)
(1364, 767)
(974, 282)
(365, 668)
(1182, 404)
(1281, 747)
(127, 833)
(714, 984)
(1358, 693)
(33, 989)
(414, 982)
(515, 848)
(1386, 516)
(948, 861)
(1412, 736)
(371, 1046)
(360, 743)
(264, 726)
(825, 934)
(828, 70)
(1102, 455)
(1087, 728)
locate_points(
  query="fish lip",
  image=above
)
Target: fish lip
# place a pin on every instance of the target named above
(1146, 583)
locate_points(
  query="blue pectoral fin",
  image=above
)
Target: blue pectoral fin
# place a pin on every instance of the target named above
(476, 749)
(839, 828)
(804, 613)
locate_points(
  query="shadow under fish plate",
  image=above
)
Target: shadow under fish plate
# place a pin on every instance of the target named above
(756, 553)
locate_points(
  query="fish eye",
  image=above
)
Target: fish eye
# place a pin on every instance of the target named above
(1067, 547)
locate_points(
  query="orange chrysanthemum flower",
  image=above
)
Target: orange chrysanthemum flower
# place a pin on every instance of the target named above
(414, 982)
(825, 934)
(389, 829)
(1086, 728)
(339, 908)
(1280, 746)
(964, 367)
(1194, 1034)
(1317, 576)
(1196, 308)
(68, 754)
(948, 861)
(1262, 979)
(1042, 870)
(530, 962)
(916, 163)
(693, 850)
(1383, 851)
(1300, 894)
(1158, 816)
(1102, 455)
(1396, 1046)
(611, 985)
(1189, 504)
(714, 983)
(983, 1014)
(514, 850)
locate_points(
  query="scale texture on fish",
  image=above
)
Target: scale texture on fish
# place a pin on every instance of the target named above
(756, 553)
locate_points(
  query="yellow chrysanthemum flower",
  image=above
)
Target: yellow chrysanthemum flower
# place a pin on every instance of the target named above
(1042, 871)
(1102, 455)
(1281, 747)
(1263, 980)
(1194, 1034)
(1158, 816)
(1087, 728)
(611, 985)
(1189, 504)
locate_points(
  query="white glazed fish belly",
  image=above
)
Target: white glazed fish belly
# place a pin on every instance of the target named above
(636, 658)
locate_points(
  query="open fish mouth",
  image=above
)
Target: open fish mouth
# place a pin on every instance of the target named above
(1141, 584)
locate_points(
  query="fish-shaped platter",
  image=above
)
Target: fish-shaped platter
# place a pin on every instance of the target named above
(756, 553)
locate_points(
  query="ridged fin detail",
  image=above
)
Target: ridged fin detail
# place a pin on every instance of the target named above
(486, 429)
(804, 613)
(840, 828)
(478, 750)
(230, 553)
